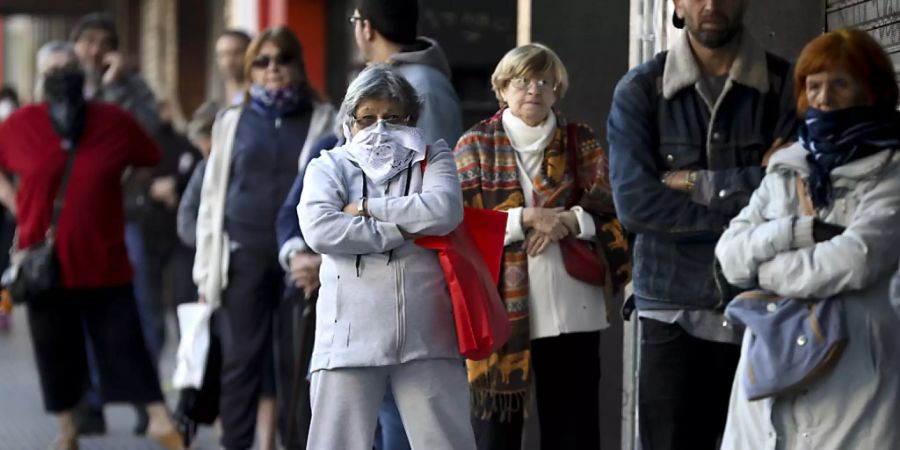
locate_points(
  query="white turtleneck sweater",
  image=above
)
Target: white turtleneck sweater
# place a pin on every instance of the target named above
(558, 303)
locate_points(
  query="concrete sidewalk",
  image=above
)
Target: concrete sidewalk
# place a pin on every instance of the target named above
(24, 425)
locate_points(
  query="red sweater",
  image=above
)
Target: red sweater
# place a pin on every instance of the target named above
(90, 235)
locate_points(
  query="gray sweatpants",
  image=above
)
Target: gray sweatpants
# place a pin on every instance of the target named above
(432, 396)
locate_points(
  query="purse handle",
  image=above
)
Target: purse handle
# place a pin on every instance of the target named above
(61, 192)
(806, 204)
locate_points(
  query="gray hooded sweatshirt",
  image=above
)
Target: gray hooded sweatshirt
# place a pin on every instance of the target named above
(391, 304)
(428, 71)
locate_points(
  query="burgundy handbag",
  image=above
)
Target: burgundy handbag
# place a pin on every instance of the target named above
(581, 258)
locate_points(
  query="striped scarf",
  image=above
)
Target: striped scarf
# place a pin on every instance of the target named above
(487, 169)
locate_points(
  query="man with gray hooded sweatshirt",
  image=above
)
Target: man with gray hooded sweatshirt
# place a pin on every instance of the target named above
(385, 32)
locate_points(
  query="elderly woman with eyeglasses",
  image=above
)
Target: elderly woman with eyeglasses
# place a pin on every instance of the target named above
(384, 317)
(551, 177)
(258, 148)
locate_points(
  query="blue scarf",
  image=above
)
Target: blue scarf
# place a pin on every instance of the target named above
(835, 138)
(277, 103)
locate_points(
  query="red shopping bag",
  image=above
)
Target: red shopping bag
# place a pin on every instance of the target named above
(470, 257)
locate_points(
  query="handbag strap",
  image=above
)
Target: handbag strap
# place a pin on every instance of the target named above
(61, 192)
(806, 204)
(424, 162)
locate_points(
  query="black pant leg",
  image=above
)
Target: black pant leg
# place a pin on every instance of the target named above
(680, 377)
(714, 368)
(492, 434)
(245, 326)
(294, 338)
(127, 371)
(567, 376)
(55, 322)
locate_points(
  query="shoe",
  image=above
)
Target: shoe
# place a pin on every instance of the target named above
(140, 426)
(61, 443)
(171, 440)
(89, 419)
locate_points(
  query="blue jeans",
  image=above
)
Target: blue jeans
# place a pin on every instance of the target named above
(389, 434)
(152, 316)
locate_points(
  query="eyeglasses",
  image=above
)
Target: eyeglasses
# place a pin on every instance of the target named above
(523, 83)
(367, 121)
(354, 19)
(263, 61)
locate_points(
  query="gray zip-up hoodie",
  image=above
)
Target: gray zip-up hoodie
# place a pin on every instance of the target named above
(427, 69)
(391, 305)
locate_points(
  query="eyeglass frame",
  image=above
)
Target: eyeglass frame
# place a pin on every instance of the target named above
(540, 83)
(354, 18)
(393, 119)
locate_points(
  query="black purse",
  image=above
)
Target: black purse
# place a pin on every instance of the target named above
(35, 270)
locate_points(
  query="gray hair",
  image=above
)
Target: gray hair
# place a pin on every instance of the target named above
(43, 61)
(380, 81)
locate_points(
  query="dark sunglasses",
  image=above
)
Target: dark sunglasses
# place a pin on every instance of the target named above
(263, 61)
(354, 19)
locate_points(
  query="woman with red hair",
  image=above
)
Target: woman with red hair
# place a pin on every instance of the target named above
(847, 170)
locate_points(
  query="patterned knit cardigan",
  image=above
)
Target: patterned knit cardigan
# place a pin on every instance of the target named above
(487, 168)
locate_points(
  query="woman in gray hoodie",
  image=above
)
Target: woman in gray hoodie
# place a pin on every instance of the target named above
(384, 316)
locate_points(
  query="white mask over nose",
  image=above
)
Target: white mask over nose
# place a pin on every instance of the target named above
(383, 150)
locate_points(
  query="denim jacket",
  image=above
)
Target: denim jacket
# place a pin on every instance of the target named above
(661, 120)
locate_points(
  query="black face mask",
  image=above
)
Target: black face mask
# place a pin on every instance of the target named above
(64, 91)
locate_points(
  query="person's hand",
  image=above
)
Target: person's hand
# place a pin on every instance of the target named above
(304, 271)
(351, 209)
(165, 191)
(536, 242)
(115, 63)
(7, 194)
(823, 231)
(678, 180)
(545, 220)
(776, 146)
(569, 219)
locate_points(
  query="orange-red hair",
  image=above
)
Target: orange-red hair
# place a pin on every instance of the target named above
(852, 51)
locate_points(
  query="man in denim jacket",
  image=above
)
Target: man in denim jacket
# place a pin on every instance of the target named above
(689, 134)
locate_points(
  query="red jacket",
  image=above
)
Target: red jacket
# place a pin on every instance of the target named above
(90, 240)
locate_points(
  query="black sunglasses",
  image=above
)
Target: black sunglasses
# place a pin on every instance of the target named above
(263, 61)
(354, 19)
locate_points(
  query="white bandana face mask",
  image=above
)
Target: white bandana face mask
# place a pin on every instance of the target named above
(383, 150)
